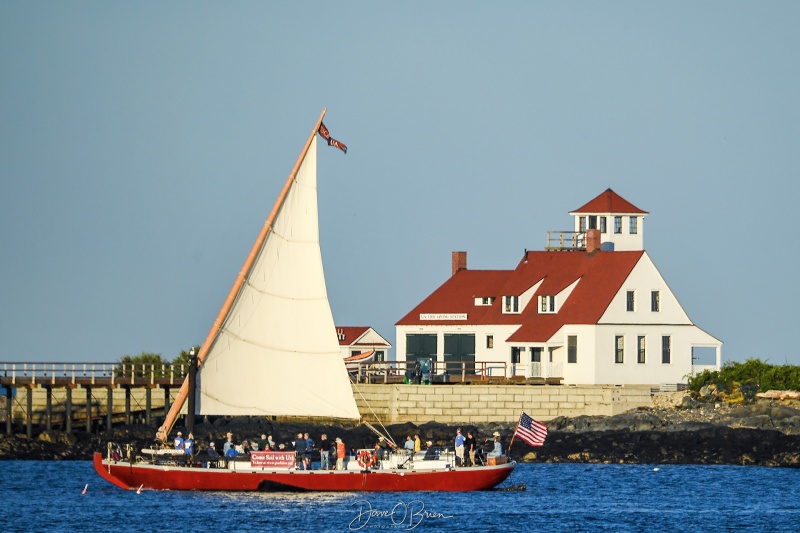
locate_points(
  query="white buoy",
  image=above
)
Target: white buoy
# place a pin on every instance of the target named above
(84, 489)
(655, 469)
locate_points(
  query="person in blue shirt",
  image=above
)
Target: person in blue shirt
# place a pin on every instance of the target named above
(497, 451)
(231, 453)
(178, 441)
(459, 448)
(188, 445)
(309, 448)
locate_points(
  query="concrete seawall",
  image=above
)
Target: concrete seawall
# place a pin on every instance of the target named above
(418, 404)
(393, 404)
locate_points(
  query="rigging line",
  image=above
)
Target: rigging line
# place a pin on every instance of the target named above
(388, 435)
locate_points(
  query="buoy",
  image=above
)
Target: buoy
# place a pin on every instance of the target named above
(84, 489)
(655, 469)
(139, 490)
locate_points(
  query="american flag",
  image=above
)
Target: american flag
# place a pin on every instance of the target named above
(323, 131)
(531, 431)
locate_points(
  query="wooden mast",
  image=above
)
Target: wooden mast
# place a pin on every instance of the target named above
(177, 405)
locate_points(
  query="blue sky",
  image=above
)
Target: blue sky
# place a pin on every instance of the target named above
(142, 146)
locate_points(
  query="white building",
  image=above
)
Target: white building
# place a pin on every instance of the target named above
(355, 340)
(591, 309)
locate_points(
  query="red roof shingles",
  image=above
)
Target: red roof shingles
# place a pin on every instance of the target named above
(609, 202)
(600, 277)
(349, 334)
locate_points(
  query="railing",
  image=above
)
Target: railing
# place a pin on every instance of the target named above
(696, 369)
(51, 373)
(454, 371)
(566, 240)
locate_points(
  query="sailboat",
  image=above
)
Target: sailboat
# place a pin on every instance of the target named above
(273, 351)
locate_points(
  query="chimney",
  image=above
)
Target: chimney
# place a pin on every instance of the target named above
(459, 261)
(592, 241)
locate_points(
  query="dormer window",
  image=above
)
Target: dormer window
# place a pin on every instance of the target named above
(511, 304)
(547, 304)
(484, 300)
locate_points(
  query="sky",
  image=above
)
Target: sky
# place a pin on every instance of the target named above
(143, 144)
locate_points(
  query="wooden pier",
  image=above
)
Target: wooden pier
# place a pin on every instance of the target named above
(22, 380)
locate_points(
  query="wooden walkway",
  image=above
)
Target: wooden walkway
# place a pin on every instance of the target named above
(87, 376)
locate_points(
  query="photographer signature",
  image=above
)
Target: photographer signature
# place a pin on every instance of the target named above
(403, 515)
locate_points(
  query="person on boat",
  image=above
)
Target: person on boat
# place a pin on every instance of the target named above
(188, 445)
(417, 443)
(470, 444)
(339, 454)
(212, 451)
(324, 452)
(409, 445)
(178, 441)
(263, 444)
(270, 443)
(300, 451)
(309, 449)
(430, 453)
(459, 448)
(228, 443)
(231, 453)
(497, 451)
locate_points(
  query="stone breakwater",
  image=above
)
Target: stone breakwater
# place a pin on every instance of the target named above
(766, 433)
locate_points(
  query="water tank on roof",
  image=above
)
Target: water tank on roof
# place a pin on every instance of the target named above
(607, 247)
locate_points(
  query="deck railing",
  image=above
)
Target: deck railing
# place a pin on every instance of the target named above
(52, 373)
(566, 240)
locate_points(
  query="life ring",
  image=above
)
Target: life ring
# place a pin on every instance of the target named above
(365, 459)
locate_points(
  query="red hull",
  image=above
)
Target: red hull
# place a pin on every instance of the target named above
(159, 477)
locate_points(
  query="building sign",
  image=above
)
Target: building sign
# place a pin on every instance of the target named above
(272, 459)
(443, 316)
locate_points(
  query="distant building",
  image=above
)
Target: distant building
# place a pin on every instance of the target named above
(354, 340)
(590, 309)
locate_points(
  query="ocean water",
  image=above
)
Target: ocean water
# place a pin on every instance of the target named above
(48, 496)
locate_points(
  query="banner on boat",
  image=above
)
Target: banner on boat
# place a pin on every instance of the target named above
(272, 459)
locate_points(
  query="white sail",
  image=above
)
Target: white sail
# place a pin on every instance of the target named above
(277, 352)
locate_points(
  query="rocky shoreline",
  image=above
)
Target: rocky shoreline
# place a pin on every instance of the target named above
(765, 433)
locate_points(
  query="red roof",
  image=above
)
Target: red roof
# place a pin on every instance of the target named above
(349, 334)
(599, 277)
(609, 202)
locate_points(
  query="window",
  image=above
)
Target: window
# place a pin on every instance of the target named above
(603, 225)
(630, 301)
(617, 224)
(619, 351)
(536, 355)
(380, 356)
(666, 348)
(548, 304)
(515, 354)
(641, 341)
(572, 348)
(633, 224)
(655, 303)
(512, 304)
(592, 221)
(581, 223)
(490, 341)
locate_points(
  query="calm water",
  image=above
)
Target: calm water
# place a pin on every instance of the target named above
(46, 496)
